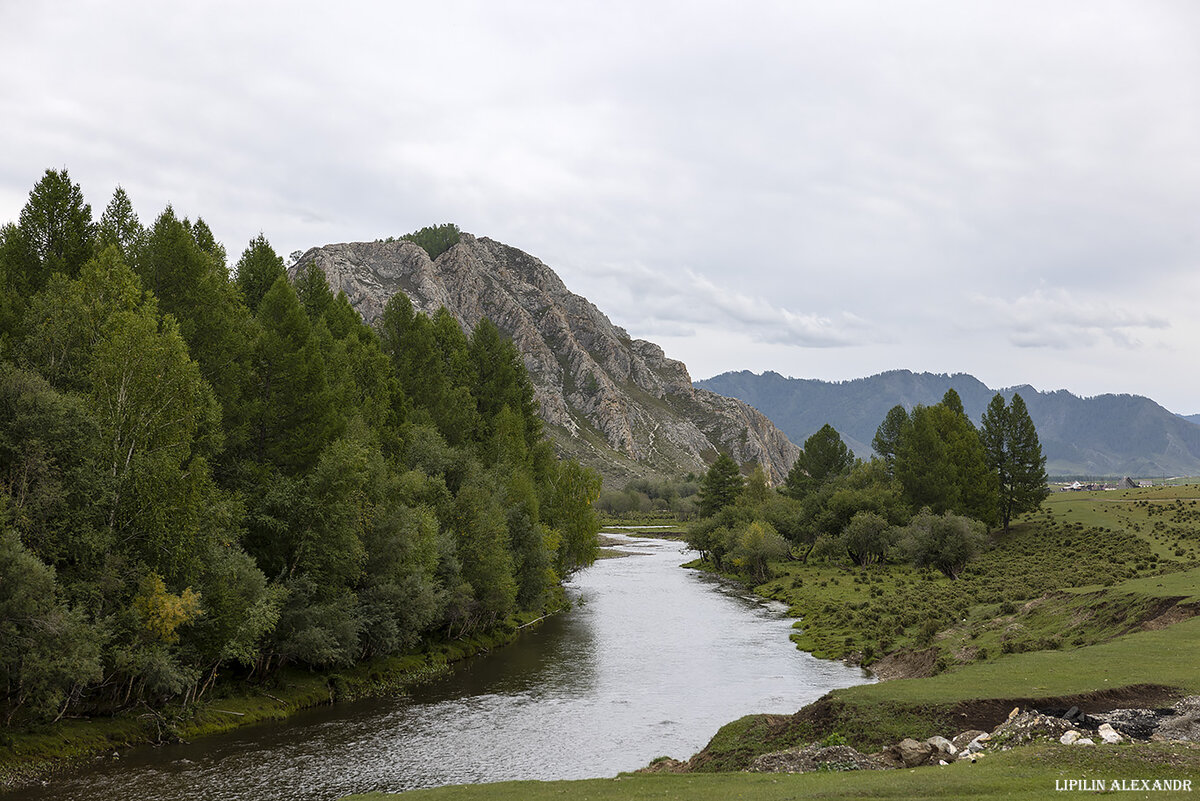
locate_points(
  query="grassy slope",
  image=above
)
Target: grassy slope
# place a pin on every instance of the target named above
(1054, 581)
(1019, 774)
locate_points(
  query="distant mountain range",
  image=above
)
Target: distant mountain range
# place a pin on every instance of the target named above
(1108, 435)
(615, 403)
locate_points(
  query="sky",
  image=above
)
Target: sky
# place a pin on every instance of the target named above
(824, 189)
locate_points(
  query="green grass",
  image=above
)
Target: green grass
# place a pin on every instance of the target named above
(1184, 584)
(1083, 569)
(1025, 773)
(1168, 657)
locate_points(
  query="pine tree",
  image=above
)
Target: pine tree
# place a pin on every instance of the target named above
(890, 432)
(721, 486)
(941, 464)
(257, 270)
(119, 226)
(58, 226)
(1013, 451)
(823, 457)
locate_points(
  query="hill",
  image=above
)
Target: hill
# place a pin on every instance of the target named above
(615, 403)
(1106, 435)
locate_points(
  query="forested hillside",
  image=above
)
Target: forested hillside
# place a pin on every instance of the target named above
(1107, 435)
(205, 474)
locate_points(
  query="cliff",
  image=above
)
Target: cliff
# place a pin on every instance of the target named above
(615, 403)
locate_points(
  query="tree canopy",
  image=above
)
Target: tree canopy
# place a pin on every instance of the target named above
(205, 474)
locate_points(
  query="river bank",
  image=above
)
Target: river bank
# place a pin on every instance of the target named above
(30, 758)
(650, 660)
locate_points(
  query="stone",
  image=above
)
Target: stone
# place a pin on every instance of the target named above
(1181, 727)
(979, 743)
(1085, 741)
(586, 372)
(1109, 735)
(816, 757)
(942, 745)
(1188, 704)
(964, 738)
(1137, 724)
(1027, 727)
(912, 753)
(1069, 737)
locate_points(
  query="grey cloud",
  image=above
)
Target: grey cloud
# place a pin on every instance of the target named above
(826, 180)
(1061, 318)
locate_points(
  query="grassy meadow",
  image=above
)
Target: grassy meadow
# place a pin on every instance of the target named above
(1024, 773)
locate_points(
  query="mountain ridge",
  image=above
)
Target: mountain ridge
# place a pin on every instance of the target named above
(611, 401)
(1104, 435)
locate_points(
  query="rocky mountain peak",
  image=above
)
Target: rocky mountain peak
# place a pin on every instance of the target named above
(617, 403)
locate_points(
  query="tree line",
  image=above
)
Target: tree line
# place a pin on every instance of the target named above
(205, 473)
(929, 496)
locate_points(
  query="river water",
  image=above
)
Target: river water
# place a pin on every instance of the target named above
(650, 661)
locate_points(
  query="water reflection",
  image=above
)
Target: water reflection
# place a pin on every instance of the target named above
(651, 660)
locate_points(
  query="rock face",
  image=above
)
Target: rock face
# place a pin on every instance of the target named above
(615, 403)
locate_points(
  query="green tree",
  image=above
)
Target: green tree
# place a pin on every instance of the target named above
(435, 239)
(185, 269)
(48, 653)
(721, 486)
(120, 227)
(867, 538)
(481, 536)
(954, 403)
(890, 433)
(67, 319)
(289, 410)
(399, 597)
(755, 547)
(940, 463)
(567, 508)
(16, 258)
(312, 288)
(57, 225)
(499, 380)
(50, 471)
(158, 421)
(823, 457)
(1013, 451)
(946, 542)
(257, 271)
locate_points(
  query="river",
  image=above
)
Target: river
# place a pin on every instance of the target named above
(650, 661)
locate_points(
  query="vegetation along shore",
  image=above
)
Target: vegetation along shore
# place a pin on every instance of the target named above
(225, 496)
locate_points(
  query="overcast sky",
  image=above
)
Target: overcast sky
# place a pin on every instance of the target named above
(824, 189)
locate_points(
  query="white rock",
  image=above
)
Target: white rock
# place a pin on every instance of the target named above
(943, 745)
(977, 745)
(1069, 737)
(1109, 735)
(1085, 741)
